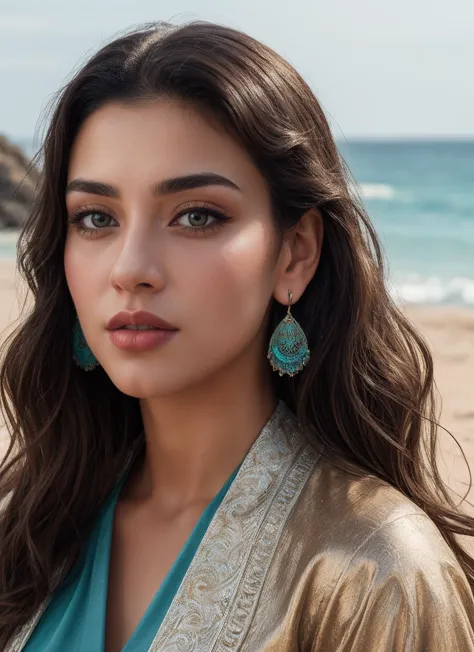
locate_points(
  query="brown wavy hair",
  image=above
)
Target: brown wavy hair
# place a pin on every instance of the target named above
(367, 395)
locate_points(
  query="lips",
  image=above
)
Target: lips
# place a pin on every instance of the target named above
(139, 318)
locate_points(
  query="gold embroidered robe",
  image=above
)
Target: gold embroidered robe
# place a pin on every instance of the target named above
(303, 557)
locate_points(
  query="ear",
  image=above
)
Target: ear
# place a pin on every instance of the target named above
(299, 256)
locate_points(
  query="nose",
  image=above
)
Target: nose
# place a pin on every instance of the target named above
(138, 265)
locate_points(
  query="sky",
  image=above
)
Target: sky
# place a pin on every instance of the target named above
(380, 68)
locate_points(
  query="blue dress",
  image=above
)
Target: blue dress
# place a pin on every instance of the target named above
(75, 616)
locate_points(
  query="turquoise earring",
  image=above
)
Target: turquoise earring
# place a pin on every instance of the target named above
(81, 352)
(288, 350)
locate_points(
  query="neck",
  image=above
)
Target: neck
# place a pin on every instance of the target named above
(196, 439)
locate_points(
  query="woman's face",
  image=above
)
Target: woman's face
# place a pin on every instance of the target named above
(199, 253)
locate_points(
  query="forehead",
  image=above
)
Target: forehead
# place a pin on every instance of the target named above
(160, 138)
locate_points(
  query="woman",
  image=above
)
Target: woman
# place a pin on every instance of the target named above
(222, 428)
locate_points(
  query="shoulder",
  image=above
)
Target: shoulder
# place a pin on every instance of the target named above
(358, 509)
(380, 573)
(349, 516)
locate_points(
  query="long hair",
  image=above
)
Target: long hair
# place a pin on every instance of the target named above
(367, 395)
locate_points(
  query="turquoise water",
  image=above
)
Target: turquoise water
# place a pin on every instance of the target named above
(7, 250)
(420, 196)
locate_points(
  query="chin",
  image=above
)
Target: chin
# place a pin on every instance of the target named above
(138, 386)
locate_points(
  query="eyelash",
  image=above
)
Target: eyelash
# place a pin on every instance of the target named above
(219, 220)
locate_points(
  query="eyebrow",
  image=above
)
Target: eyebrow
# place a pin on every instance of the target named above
(165, 187)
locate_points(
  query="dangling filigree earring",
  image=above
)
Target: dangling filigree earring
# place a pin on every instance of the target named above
(81, 352)
(288, 350)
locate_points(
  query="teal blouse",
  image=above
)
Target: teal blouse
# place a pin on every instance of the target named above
(75, 616)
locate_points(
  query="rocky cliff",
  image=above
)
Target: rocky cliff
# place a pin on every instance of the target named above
(17, 185)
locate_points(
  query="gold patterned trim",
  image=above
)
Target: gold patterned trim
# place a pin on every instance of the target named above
(213, 607)
(18, 641)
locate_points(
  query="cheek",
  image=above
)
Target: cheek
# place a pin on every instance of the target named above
(233, 286)
(82, 273)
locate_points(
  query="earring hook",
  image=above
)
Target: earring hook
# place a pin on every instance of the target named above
(290, 297)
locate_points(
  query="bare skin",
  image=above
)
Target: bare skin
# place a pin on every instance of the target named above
(205, 394)
(144, 547)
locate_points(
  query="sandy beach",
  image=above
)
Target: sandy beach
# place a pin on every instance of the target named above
(450, 334)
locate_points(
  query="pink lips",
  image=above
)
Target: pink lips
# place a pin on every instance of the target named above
(139, 340)
(138, 318)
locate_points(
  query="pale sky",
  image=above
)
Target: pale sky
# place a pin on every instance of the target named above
(380, 68)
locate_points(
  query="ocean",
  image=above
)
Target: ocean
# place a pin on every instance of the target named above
(420, 197)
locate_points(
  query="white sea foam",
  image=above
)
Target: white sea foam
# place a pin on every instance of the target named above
(377, 191)
(380, 191)
(434, 290)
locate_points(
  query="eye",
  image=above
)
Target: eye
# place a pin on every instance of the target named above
(90, 221)
(199, 219)
(96, 220)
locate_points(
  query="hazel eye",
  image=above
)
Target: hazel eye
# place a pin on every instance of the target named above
(91, 222)
(197, 218)
(97, 220)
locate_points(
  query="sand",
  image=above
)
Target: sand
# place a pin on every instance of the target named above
(450, 334)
